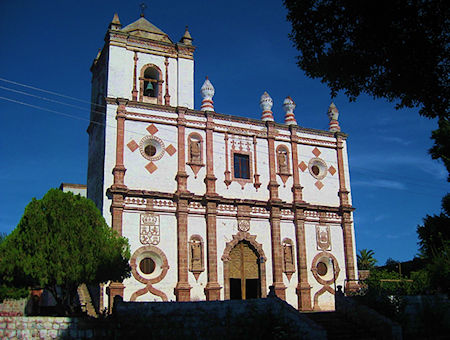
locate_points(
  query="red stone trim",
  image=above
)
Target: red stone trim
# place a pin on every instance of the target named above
(148, 282)
(181, 176)
(277, 258)
(241, 236)
(134, 92)
(320, 292)
(114, 288)
(212, 289)
(273, 184)
(296, 187)
(314, 263)
(303, 289)
(210, 179)
(227, 172)
(257, 183)
(159, 84)
(182, 289)
(167, 95)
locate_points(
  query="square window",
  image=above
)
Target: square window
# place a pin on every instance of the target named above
(241, 166)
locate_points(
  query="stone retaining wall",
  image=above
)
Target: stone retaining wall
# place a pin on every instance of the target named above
(45, 327)
(10, 307)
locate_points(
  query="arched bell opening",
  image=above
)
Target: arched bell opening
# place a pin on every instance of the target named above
(151, 84)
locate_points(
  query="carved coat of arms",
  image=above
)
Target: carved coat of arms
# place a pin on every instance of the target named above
(323, 237)
(149, 229)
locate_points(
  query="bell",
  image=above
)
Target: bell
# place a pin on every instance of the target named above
(149, 89)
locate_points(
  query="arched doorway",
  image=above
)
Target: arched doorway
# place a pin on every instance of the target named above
(244, 272)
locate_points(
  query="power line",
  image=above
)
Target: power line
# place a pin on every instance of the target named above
(43, 98)
(46, 91)
(371, 171)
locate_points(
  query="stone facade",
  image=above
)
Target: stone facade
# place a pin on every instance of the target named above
(187, 186)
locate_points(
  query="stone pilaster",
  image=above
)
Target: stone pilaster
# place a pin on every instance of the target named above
(277, 259)
(296, 188)
(134, 92)
(181, 176)
(303, 288)
(210, 179)
(273, 184)
(347, 224)
(119, 169)
(182, 289)
(114, 289)
(351, 284)
(212, 289)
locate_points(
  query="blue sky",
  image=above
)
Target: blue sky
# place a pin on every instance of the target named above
(244, 49)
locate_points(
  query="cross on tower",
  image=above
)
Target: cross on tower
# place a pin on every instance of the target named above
(143, 7)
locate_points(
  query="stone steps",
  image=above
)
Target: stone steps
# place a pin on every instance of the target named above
(339, 328)
(86, 301)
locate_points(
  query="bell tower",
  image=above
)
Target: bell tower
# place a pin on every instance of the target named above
(141, 65)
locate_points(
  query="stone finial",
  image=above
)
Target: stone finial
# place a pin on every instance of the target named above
(288, 107)
(266, 104)
(333, 115)
(115, 23)
(186, 38)
(207, 91)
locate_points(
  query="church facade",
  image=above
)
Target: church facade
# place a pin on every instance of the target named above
(214, 206)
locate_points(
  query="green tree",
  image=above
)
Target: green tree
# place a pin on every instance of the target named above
(366, 259)
(398, 50)
(8, 291)
(434, 234)
(62, 241)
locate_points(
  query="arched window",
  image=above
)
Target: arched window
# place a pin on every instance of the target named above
(151, 84)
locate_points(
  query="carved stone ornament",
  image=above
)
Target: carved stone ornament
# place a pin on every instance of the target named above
(152, 148)
(196, 255)
(244, 225)
(149, 229)
(283, 163)
(195, 153)
(288, 258)
(323, 237)
(317, 168)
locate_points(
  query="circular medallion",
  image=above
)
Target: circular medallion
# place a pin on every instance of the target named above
(244, 225)
(317, 168)
(151, 148)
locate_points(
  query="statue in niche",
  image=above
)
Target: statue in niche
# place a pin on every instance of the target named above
(196, 255)
(283, 167)
(288, 258)
(195, 151)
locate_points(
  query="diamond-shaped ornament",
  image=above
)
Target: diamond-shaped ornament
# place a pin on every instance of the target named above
(132, 146)
(319, 185)
(151, 167)
(171, 150)
(303, 166)
(332, 170)
(316, 152)
(152, 129)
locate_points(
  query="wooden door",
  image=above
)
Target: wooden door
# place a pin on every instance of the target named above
(244, 272)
